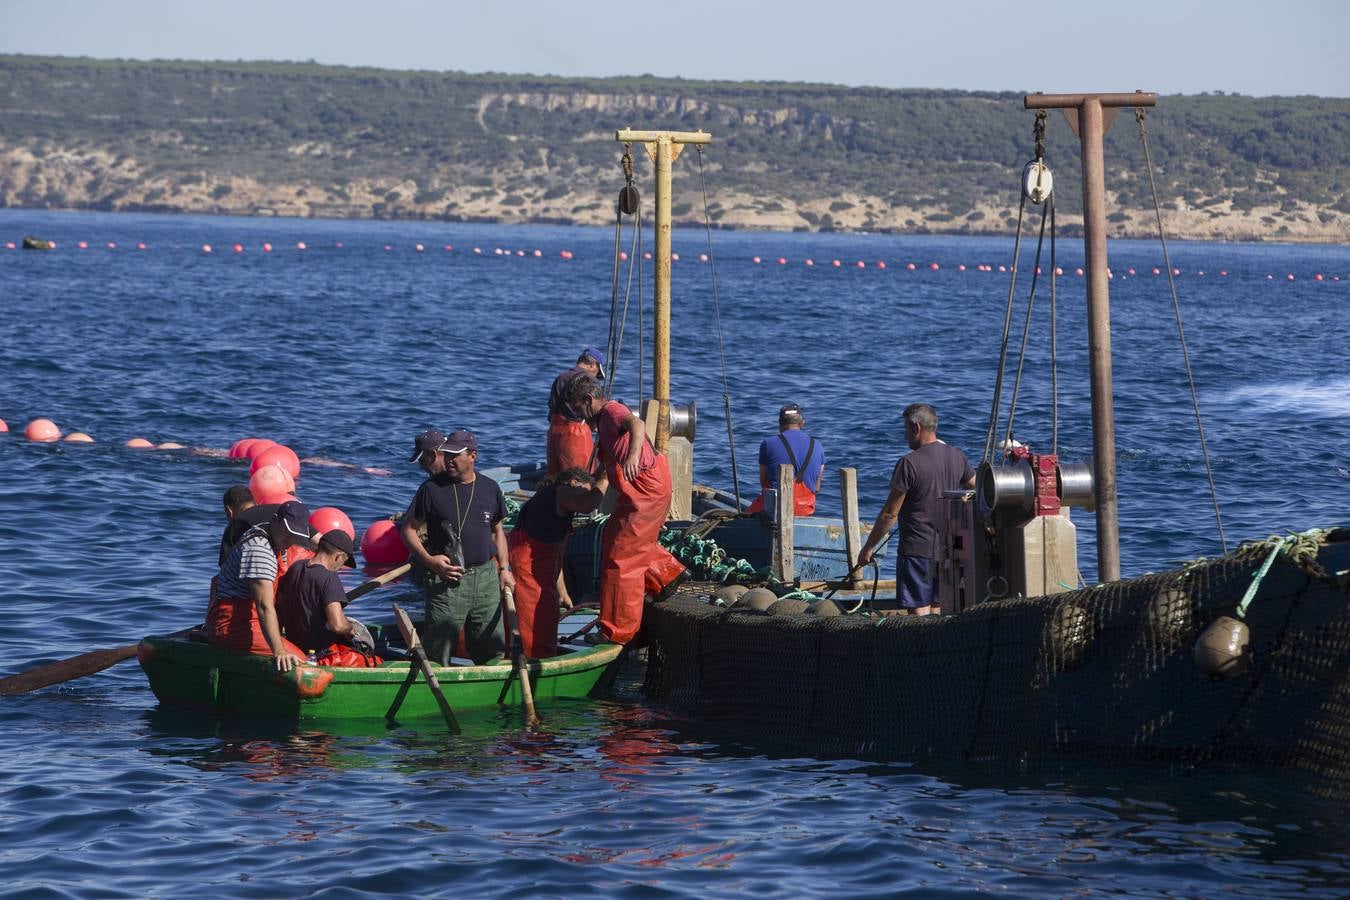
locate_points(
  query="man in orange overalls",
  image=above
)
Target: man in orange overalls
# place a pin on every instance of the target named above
(569, 437)
(633, 563)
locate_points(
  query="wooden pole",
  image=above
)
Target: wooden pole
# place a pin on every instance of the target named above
(1090, 116)
(784, 568)
(664, 148)
(848, 489)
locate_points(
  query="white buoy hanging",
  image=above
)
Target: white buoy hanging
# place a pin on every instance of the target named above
(1037, 182)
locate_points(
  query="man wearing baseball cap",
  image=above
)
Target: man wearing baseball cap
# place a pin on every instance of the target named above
(310, 603)
(791, 446)
(569, 437)
(463, 558)
(242, 611)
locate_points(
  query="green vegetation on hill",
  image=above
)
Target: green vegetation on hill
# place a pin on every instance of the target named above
(322, 140)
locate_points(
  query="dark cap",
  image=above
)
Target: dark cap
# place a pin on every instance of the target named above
(431, 439)
(338, 538)
(599, 357)
(789, 409)
(459, 441)
(291, 521)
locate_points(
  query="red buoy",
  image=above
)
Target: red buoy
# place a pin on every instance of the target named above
(238, 248)
(911, 267)
(836, 263)
(754, 259)
(42, 431)
(330, 518)
(881, 264)
(267, 248)
(270, 482)
(277, 454)
(782, 260)
(238, 447)
(82, 245)
(382, 545)
(933, 266)
(810, 262)
(258, 446)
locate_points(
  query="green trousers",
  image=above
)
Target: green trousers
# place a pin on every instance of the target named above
(471, 606)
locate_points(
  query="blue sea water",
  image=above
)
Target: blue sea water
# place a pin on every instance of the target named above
(345, 352)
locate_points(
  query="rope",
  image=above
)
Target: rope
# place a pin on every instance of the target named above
(988, 455)
(1181, 332)
(721, 345)
(1026, 325)
(1054, 341)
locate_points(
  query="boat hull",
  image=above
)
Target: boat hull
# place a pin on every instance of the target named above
(198, 676)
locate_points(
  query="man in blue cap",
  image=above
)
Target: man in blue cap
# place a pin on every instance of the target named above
(570, 445)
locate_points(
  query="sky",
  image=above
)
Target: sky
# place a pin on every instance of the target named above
(1169, 46)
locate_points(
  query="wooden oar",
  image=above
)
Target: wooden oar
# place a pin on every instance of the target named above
(98, 660)
(419, 656)
(517, 661)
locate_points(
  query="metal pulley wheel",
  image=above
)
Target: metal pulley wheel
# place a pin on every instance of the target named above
(629, 200)
(1037, 182)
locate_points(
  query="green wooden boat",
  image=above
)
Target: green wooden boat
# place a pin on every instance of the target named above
(194, 675)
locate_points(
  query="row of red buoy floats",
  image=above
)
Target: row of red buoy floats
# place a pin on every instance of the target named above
(809, 262)
(274, 472)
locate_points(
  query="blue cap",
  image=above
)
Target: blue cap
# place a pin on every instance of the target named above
(595, 354)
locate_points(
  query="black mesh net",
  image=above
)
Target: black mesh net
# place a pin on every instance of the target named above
(1110, 671)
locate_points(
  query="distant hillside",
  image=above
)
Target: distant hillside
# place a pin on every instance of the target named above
(309, 140)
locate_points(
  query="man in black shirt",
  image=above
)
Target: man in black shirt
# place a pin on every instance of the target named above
(464, 554)
(311, 600)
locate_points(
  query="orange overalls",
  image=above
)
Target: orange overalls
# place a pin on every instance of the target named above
(233, 622)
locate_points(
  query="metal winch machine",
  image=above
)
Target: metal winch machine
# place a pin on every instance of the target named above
(1011, 536)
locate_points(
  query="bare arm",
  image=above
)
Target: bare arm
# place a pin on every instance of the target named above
(264, 600)
(337, 620)
(890, 511)
(508, 580)
(637, 433)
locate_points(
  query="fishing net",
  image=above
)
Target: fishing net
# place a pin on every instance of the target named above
(1109, 671)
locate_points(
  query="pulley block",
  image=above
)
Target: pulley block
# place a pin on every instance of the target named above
(1037, 182)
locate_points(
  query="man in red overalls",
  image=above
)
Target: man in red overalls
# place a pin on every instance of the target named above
(569, 437)
(633, 563)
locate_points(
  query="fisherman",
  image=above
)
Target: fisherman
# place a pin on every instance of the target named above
(791, 446)
(241, 614)
(536, 545)
(917, 484)
(241, 514)
(569, 437)
(463, 516)
(633, 562)
(310, 604)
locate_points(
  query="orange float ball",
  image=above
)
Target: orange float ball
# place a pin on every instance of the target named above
(258, 446)
(42, 430)
(382, 545)
(139, 444)
(330, 518)
(4, 426)
(78, 437)
(239, 449)
(270, 481)
(170, 445)
(280, 455)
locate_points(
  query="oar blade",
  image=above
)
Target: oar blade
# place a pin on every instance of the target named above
(65, 670)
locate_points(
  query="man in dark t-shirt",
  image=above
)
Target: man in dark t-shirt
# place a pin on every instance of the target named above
(464, 555)
(310, 604)
(917, 484)
(536, 545)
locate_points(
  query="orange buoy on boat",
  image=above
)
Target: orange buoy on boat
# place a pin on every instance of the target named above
(269, 483)
(277, 454)
(382, 545)
(330, 518)
(42, 431)
(139, 443)
(78, 437)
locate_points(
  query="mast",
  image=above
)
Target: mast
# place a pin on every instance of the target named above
(1090, 115)
(663, 147)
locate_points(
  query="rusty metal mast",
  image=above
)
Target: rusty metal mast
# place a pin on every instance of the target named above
(1090, 115)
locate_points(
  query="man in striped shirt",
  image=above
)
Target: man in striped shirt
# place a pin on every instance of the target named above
(242, 614)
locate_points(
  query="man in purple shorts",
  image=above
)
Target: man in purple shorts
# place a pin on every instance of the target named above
(920, 477)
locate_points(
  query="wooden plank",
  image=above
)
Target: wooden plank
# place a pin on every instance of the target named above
(848, 489)
(782, 565)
